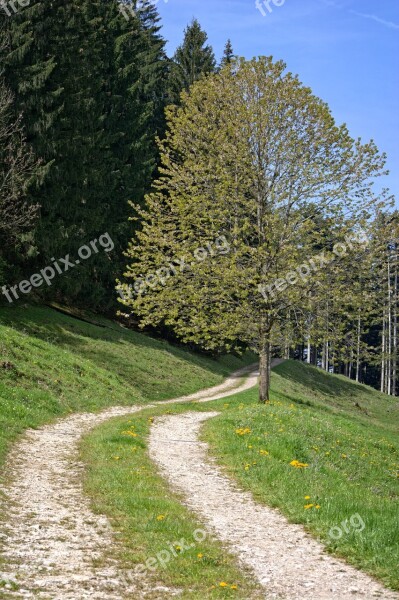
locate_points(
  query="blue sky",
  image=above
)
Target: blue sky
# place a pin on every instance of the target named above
(347, 51)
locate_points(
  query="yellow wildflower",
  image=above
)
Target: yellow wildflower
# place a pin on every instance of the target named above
(243, 430)
(298, 465)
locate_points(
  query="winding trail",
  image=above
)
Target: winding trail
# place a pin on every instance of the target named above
(55, 547)
(52, 544)
(287, 562)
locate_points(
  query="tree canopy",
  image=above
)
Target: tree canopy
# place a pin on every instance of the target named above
(251, 157)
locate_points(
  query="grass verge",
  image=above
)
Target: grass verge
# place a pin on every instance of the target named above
(346, 434)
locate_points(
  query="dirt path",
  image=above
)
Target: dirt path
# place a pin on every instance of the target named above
(53, 545)
(286, 561)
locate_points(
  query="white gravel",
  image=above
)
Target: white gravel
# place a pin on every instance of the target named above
(287, 562)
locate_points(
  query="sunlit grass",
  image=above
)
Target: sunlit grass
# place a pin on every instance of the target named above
(315, 456)
(311, 453)
(52, 365)
(124, 484)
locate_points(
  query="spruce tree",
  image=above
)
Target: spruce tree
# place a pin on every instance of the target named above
(228, 54)
(192, 60)
(88, 93)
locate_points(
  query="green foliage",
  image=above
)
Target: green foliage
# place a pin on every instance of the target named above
(88, 85)
(191, 61)
(250, 155)
(228, 54)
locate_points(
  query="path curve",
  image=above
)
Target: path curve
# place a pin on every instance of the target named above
(287, 562)
(52, 544)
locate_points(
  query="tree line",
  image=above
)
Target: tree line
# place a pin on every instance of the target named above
(82, 97)
(101, 132)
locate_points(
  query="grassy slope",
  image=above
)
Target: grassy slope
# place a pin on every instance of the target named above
(352, 455)
(347, 434)
(61, 365)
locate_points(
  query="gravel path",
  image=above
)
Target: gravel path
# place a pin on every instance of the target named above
(52, 544)
(286, 561)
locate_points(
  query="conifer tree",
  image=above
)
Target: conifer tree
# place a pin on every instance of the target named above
(18, 169)
(192, 60)
(92, 104)
(228, 54)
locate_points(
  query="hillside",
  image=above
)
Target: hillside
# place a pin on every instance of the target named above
(52, 364)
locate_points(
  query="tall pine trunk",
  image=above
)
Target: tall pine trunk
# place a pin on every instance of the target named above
(395, 328)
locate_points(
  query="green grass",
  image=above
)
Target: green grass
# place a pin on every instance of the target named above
(352, 457)
(347, 434)
(123, 484)
(52, 364)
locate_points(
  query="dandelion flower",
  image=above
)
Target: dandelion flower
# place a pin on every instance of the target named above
(243, 430)
(307, 497)
(160, 517)
(200, 555)
(298, 465)
(223, 584)
(307, 506)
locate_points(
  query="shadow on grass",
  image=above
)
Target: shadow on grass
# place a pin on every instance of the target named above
(114, 348)
(319, 381)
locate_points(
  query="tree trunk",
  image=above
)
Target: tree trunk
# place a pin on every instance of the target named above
(395, 328)
(264, 371)
(383, 357)
(358, 347)
(389, 369)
